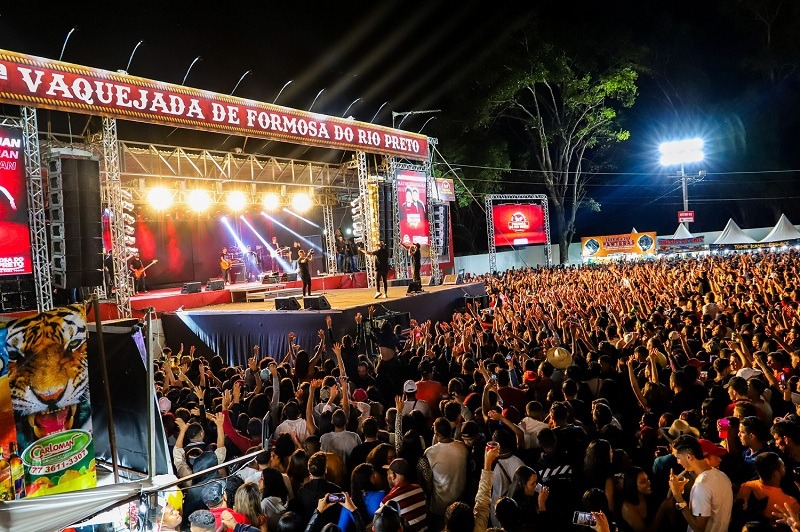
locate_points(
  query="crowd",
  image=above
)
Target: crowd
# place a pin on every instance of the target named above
(631, 397)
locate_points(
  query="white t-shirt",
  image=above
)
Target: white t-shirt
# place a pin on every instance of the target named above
(297, 425)
(339, 442)
(417, 404)
(712, 496)
(448, 463)
(502, 478)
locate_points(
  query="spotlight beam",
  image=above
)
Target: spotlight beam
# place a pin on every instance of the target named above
(295, 233)
(306, 220)
(236, 238)
(272, 251)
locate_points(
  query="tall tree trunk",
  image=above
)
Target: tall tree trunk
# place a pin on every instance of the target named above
(564, 236)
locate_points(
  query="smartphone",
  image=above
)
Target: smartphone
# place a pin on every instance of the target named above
(493, 377)
(508, 358)
(334, 498)
(584, 519)
(703, 375)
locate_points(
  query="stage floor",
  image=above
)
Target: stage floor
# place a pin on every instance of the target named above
(338, 299)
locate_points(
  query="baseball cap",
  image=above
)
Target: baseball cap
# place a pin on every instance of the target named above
(748, 373)
(399, 466)
(387, 518)
(739, 385)
(410, 386)
(674, 335)
(360, 395)
(212, 493)
(325, 393)
(529, 376)
(712, 449)
(512, 414)
(164, 405)
(469, 429)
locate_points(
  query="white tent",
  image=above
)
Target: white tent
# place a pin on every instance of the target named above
(783, 231)
(732, 234)
(681, 232)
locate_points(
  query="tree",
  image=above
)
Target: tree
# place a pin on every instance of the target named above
(563, 114)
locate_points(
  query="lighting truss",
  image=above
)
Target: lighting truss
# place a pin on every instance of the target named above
(330, 235)
(369, 216)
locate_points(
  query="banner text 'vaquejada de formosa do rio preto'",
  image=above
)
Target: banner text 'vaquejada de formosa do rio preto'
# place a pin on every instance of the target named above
(36, 82)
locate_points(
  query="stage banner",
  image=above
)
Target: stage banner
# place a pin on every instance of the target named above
(682, 245)
(45, 83)
(49, 406)
(15, 250)
(412, 197)
(518, 224)
(445, 189)
(619, 246)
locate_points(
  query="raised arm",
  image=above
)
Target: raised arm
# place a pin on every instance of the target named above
(635, 383)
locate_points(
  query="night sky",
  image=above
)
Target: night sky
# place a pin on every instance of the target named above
(423, 55)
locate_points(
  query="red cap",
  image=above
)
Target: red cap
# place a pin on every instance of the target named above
(712, 449)
(530, 376)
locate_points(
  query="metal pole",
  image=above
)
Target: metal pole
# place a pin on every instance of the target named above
(151, 409)
(112, 435)
(685, 187)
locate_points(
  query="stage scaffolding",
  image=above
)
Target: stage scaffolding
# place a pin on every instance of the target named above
(330, 239)
(400, 256)
(369, 216)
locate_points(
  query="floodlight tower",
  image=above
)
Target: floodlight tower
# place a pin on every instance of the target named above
(682, 152)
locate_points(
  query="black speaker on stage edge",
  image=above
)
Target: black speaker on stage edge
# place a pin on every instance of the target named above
(286, 303)
(316, 303)
(414, 287)
(215, 284)
(191, 288)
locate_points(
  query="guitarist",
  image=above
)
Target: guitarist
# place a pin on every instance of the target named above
(225, 266)
(136, 265)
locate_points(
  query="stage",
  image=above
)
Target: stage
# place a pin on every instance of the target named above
(231, 329)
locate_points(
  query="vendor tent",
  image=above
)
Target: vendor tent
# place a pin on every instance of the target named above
(783, 231)
(681, 232)
(731, 235)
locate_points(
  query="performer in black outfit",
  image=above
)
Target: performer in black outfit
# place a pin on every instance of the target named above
(381, 255)
(225, 266)
(416, 260)
(304, 263)
(108, 271)
(135, 265)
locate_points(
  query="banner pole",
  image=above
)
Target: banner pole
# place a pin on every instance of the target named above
(112, 435)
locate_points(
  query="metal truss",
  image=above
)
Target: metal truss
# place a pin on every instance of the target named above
(33, 168)
(434, 229)
(400, 254)
(112, 200)
(330, 235)
(533, 198)
(139, 160)
(369, 218)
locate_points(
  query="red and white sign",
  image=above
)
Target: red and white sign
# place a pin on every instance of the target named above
(15, 238)
(412, 200)
(518, 224)
(49, 84)
(685, 216)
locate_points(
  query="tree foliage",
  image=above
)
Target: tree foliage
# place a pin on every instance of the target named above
(559, 114)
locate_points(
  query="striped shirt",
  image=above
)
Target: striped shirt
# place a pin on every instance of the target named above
(412, 503)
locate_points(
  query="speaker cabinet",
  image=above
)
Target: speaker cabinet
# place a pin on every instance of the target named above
(215, 284)
(191, 288)
(316, 303)
(483, 301)
(286, 303)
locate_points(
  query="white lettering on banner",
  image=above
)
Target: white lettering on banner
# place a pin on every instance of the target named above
(10, 143)
(55, 86)
(12, 264)
(9, 154)
(5, 165)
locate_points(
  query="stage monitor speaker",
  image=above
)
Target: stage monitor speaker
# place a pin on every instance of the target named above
(291, 277)
(286, 303)
(450, 279)
(191, 288)
(414, 288)
(215, 284)
(316, 303)
(269, 279)
(403, 319)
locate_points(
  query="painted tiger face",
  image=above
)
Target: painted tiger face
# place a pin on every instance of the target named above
(48, 367)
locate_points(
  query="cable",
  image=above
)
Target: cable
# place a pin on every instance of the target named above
(535, 171)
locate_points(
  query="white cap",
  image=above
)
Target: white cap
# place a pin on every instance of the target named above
(410, 386)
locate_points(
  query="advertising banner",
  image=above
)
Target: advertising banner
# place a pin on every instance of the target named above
(49, 406)
(15, 250)
(445, 189)
(49, 84)
(518, 224)
(412, 197)
(611, 247)
(682, 245)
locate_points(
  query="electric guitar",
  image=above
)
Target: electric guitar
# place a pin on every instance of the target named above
(138, 273)
(225, 264)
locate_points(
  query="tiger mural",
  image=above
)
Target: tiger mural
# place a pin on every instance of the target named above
(48, 372)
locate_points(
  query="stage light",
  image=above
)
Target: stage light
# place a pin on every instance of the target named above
(237, 200)
(159, 198)
(681, 151)
(199, 200)
(271, 201)
(348, 231)
(301, 202)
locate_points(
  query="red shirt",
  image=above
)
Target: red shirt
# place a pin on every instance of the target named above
(431, 392)
(217, 513)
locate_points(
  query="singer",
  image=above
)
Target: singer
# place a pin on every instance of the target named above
(304, 265)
